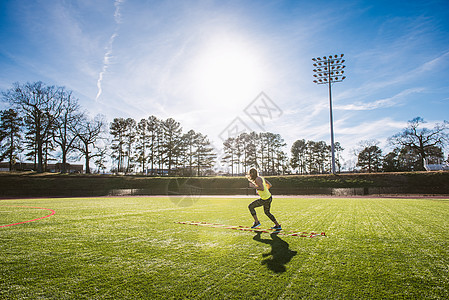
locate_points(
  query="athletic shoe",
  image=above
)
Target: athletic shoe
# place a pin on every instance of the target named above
(255, 225)
(277, 227)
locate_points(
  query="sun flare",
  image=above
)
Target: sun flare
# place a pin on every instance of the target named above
(227, 71)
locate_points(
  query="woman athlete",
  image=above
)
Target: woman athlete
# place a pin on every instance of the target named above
(262, 187)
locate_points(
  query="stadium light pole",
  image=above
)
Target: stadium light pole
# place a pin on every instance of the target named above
(328, 70)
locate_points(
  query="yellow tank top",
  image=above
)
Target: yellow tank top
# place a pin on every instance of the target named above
(265, 194)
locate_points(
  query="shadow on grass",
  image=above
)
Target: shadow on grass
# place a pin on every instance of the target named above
(280, 254)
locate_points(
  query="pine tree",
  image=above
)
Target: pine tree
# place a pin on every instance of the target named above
(142, 143)
(117, 129)
(171, 145)
(10, 137)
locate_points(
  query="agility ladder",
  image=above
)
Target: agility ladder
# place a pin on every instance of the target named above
(264, 230)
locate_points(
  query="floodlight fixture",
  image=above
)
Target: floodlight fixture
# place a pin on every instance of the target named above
(332, 73)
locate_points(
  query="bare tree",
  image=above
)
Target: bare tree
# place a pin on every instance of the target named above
(65, 134)
(101, 157)
(41, 107)
(421, 139)
(89, 132)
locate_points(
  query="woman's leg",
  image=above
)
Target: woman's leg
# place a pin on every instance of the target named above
(266, 209)
(252, 206)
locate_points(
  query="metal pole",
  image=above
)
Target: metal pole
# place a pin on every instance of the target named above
(331, 119)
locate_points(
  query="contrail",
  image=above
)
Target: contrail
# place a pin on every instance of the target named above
(108, 53)
(106, 61)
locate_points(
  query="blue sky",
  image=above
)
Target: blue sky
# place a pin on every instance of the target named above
(204, 62)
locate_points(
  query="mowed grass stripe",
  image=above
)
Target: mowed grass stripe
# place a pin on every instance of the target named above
(368, 247)
(422, 241)
(108, 248)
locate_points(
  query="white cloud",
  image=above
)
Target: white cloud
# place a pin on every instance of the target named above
(434, 63)
(371, 129)
(381, 103)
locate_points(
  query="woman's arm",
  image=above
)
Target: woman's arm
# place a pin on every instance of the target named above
(259, 184)
(268, 184)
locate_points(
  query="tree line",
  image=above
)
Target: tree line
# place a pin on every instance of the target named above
(263, 151)
(45, 119)
(310, 157)
(415, 146)
(46, 123)
(159, 147)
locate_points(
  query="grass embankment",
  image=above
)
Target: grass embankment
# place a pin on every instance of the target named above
(130, 248)
(52, 185)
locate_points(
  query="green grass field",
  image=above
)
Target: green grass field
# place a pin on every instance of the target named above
(131, 248)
